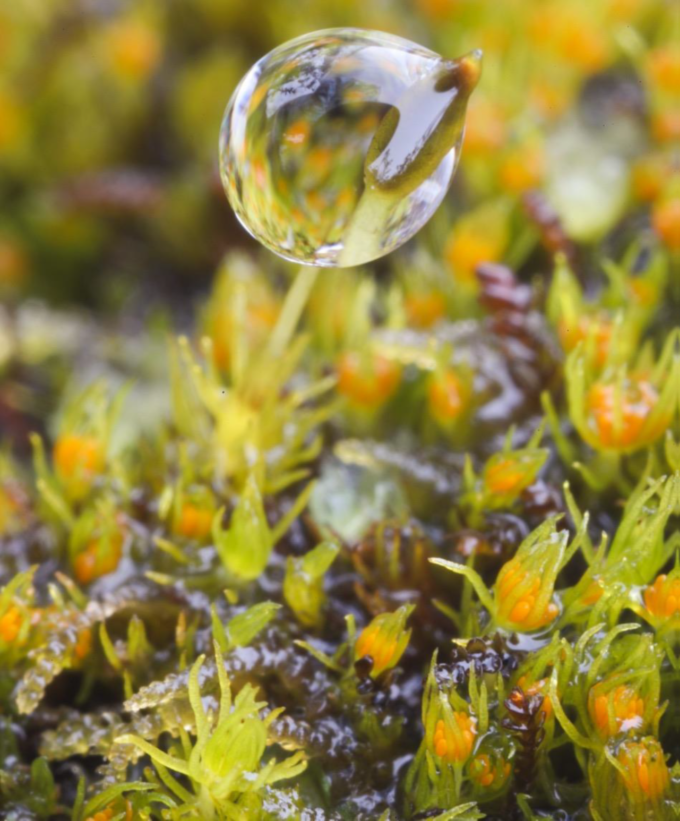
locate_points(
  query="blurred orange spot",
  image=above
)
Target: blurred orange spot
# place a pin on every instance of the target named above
(194, 522)
(13, 263)
(446, 396)
(424, 308)
(84, 644)
(666, 222)
(648, 178)
(666, 125)
(135, 48)
(485, 128)
(367, 381)
(521, 169)
(663, 67)
(468, 247)
(297, 133)
(10, 624)
(79, 456)
(98, 558)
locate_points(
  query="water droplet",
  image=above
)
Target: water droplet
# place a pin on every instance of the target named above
(339, 146)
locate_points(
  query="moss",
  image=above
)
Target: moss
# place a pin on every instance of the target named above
(396, 544)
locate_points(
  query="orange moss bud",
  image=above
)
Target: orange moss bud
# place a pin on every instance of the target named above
(486, 773)
(662, 598)
(446, 397)
(101, 556)
(104, 815)
(618, 417)
(645, 772)
(519, 603)
(453, 739)
(648, 177)
(367, 381)
(194, 522)
(134, 49)
(424, 309)
(84, 644)
(663, 68)
(384, 640)
(593, 592)
(10, 624)
(571, 333)
(615, 709)
(666, 222)
(509, 474)
(78, 460)
(666, 125)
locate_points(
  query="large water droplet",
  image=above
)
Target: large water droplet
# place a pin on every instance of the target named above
(339, 146)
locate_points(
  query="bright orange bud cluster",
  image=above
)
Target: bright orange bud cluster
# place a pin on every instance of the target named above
(645, 772)
(618, 413)
(615, 710)
(519, 602)
(453, 739)
(384, 640)
(662, 598)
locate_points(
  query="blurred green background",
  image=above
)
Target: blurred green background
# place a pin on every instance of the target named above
(110, 111)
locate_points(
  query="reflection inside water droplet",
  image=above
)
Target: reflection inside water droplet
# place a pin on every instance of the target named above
(339, 146)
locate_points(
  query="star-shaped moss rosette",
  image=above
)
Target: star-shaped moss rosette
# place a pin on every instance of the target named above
(224, 765)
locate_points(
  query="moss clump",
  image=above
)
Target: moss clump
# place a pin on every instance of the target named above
(379, 545)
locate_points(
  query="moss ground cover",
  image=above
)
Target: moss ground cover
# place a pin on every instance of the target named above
(386, 543)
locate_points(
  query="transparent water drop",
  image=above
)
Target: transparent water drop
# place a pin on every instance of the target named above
(338, 146)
